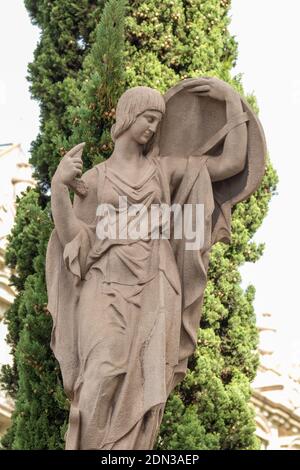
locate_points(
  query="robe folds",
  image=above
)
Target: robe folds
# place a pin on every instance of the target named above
(123, 330)
(126, 311)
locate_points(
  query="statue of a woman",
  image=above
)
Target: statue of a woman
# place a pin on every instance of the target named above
(126, 309)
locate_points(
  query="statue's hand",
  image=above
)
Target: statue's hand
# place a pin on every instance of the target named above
(212, 87)
(70, 167)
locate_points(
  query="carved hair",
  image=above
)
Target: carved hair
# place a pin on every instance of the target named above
(133, 103)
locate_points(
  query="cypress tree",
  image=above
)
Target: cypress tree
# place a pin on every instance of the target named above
(80, 70)
(40, 417)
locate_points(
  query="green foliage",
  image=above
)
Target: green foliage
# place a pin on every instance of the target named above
(175, 39)
(66, 33)
(39, 420)
(103, 82)
(183, 430)
(33, 381)
(217, 387)
(81, 66)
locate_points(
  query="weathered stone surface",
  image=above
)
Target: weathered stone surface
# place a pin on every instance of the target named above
(126, 309)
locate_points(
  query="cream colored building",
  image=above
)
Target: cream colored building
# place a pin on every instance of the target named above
(276, 391)
(15, 177)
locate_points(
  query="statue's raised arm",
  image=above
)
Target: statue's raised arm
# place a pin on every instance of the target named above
(232, 159)
(207, 118)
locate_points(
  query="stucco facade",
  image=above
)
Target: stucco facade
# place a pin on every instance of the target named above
(15, 177)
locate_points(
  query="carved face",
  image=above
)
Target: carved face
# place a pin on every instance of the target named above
(145, 126)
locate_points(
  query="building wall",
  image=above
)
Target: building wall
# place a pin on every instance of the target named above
(15, 177)
(276, 393)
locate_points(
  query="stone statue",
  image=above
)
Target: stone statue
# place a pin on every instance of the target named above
(126, 309)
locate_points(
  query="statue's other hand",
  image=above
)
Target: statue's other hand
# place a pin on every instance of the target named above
(212, 87)
(70, 167)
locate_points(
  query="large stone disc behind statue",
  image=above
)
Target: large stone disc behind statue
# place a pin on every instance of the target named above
(191, 120)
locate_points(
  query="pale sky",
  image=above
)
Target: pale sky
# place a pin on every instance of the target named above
(268, 35)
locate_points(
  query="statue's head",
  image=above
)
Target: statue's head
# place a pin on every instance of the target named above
(141, 106)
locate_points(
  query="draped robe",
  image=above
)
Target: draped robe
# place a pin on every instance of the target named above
(118, 326)
(126, 312)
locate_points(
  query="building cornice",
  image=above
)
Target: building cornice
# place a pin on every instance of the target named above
(9, 149)
(280, 415)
